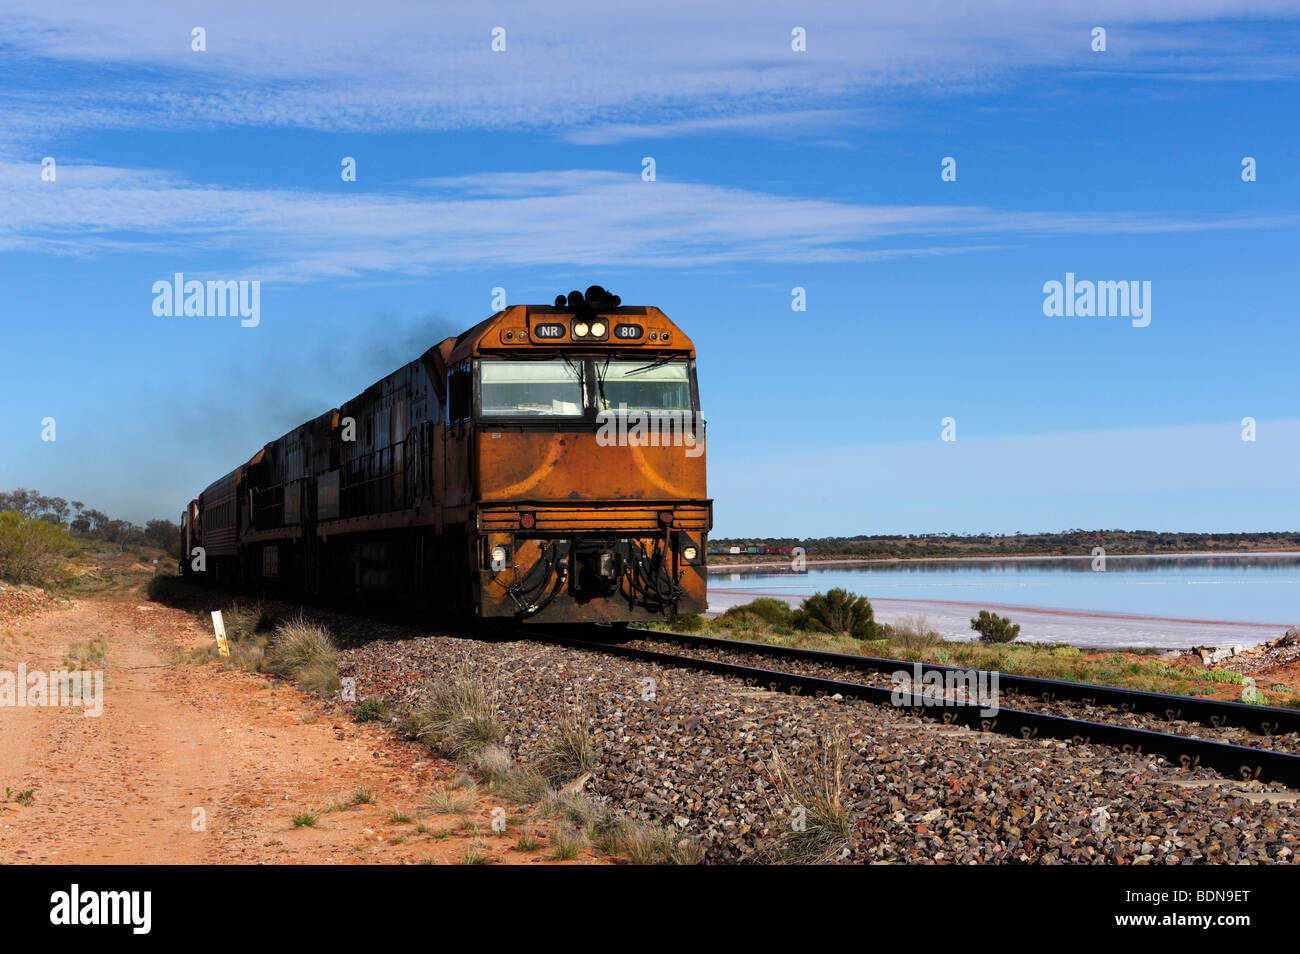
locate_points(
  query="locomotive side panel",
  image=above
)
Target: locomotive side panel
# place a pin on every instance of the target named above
(219, 513)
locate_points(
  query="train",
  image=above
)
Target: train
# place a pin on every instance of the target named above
(547, 465)
(751, 548)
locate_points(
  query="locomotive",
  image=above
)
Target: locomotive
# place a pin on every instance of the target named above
(547, 465)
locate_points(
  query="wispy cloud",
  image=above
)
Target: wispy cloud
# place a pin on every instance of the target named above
(511, 219)
(809, 124)
(583, 70)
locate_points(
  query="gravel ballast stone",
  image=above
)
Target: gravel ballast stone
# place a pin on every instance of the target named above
(693, 750)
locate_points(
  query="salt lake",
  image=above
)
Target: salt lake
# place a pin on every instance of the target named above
(1169, 602)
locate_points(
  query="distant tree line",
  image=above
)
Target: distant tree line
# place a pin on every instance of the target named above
(1070, 542)
(88, 523)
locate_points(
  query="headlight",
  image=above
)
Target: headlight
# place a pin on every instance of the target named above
(690, 553)
(598, 329)
(498, 556)
(580, 330)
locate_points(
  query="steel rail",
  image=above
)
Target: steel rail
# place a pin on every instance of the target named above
(1232, 761)
(1216, 713)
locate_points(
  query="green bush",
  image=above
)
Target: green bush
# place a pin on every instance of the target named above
(1221, 675)
(763, 613)
(690, 623)
(836, 611)
(994, 628)
(160, 586)
(34, 551)
(370, 710)
(774, 612)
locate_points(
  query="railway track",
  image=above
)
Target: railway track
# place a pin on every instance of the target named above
(1214, 713)
(1234, 761)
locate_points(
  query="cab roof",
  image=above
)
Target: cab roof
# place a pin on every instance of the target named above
(523, 328)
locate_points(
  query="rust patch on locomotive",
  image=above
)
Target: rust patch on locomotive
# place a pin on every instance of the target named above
(546, 465)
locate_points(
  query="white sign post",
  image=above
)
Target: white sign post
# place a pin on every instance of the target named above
(220, 627)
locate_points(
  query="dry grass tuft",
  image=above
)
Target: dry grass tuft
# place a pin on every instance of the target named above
(912, 635)
(87, 654)
(580, 810)
(642, 843)
(475, 856)
(567, 844)
(494, 766)
(817, 823)
(525, 786)
(569, 752)
(459, 719)
(303, 651)
(449, 801)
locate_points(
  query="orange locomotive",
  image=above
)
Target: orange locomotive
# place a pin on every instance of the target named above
(545, 465)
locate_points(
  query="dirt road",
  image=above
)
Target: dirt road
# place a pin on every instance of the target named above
(193, 764)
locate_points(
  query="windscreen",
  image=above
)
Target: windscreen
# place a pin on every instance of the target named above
(644, 385)
(530, 388)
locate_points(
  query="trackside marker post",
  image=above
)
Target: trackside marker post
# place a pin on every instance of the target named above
(220, 627)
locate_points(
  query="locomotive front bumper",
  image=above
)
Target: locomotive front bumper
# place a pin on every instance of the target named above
(592, 561)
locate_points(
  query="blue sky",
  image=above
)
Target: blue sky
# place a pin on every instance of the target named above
(775, 169)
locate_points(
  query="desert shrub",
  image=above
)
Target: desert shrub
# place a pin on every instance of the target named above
(913, 633)
(1221, 675)
(690, 623)
(774, 613)
(994, 628)
(161, 586)
(35, 552)
(837, 611)
(1164, 670)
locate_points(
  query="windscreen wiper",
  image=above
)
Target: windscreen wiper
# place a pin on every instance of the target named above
(650, 367)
